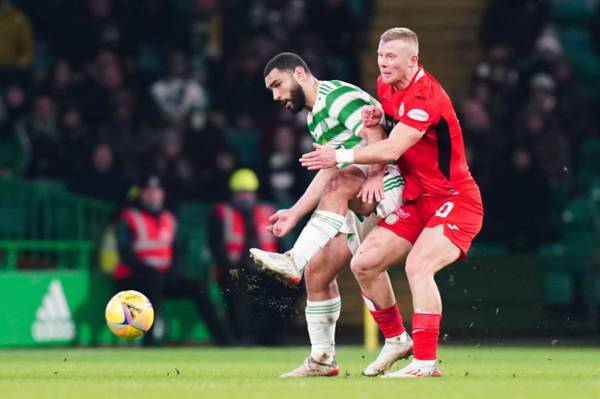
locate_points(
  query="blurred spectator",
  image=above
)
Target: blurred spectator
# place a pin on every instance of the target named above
(146, 238)
(14, 150)
(41, 129)
(244, 136)
(548, 52)
(342, 45)
(523, 199)
(62, 84)
(76, 140)
(574, 103)
(101, 178)
(104, 27)
(213, 158)
(13, 104)
(595, 29)
(178, 95)
(515, 23)
(175, 169)
(16, 38)
(541, 96)
(244, 90)
(497, 80)
(286, 178)
(258, 305)
(549, 148)
(149, 29)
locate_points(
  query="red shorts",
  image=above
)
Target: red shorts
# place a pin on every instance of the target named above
(460, 214)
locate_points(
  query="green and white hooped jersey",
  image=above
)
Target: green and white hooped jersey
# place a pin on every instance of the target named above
(336, 116)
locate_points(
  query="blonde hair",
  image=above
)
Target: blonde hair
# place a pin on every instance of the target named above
(404, 34)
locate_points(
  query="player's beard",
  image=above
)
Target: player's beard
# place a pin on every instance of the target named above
(297, 99)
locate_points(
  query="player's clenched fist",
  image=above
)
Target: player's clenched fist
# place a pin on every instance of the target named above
(371, 116)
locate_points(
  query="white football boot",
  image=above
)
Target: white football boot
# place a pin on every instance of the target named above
(279, 265)
(393, 350)
(416, 369)
(313, 368)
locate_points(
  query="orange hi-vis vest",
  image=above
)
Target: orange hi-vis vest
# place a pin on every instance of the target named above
(152, 241)
(234, 229)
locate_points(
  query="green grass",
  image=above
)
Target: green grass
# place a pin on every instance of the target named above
(469, 372)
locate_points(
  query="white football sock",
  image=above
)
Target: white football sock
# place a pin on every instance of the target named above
(321, 317)
(322, 227)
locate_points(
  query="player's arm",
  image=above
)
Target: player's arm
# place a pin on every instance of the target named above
(373, 135)
(284, 220)
(401, 139)
(310, 199)
(372, 189)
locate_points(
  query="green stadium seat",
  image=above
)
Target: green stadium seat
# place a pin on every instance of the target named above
(580, 243)
(559, 289)
(588, 162)
(572, 12)
(578, 216)
(488, 249)
(194, 214)
(246, 146)
(13, 221)
(574, 253)
(576, 40)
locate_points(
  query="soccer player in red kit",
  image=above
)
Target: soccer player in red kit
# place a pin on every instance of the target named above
(442, 211)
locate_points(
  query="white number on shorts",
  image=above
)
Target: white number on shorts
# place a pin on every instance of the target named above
(445, 209)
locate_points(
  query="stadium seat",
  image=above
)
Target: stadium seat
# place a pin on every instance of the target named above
(588, 163)
(559, 289)
(572, 12)
(245, 143)
(13, 221)
(488, 249)
(578, 216)
(194, 214)
(576, 40)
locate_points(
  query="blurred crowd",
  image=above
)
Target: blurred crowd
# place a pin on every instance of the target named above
(95, 93)
(524, 120)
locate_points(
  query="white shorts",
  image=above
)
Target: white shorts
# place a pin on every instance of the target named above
(357, 227)
(393, 185)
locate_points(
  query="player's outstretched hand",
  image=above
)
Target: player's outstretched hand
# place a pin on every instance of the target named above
(322, 157)
(371, 116)
(372, 189)
(282, 222)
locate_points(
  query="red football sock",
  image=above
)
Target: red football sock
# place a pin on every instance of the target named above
(426, 330)
(389, 321)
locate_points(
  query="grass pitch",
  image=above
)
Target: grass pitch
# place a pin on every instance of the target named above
(198, 372)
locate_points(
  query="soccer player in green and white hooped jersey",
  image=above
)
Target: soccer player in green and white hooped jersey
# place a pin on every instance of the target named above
(321, 252)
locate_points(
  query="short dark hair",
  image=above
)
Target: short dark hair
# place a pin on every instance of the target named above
(285, 62)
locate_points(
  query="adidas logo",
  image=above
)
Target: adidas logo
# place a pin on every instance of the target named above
(53, 318)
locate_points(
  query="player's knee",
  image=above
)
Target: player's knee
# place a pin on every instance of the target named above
(362, 267)
(339, 185)
(416, 266)
(316, 280)
(311, 277)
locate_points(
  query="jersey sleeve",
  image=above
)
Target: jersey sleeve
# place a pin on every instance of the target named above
(419, 111)
(346, 103)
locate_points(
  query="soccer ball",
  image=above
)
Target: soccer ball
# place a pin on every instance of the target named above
(129, 314)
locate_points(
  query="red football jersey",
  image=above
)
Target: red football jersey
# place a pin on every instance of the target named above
(436, 164)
